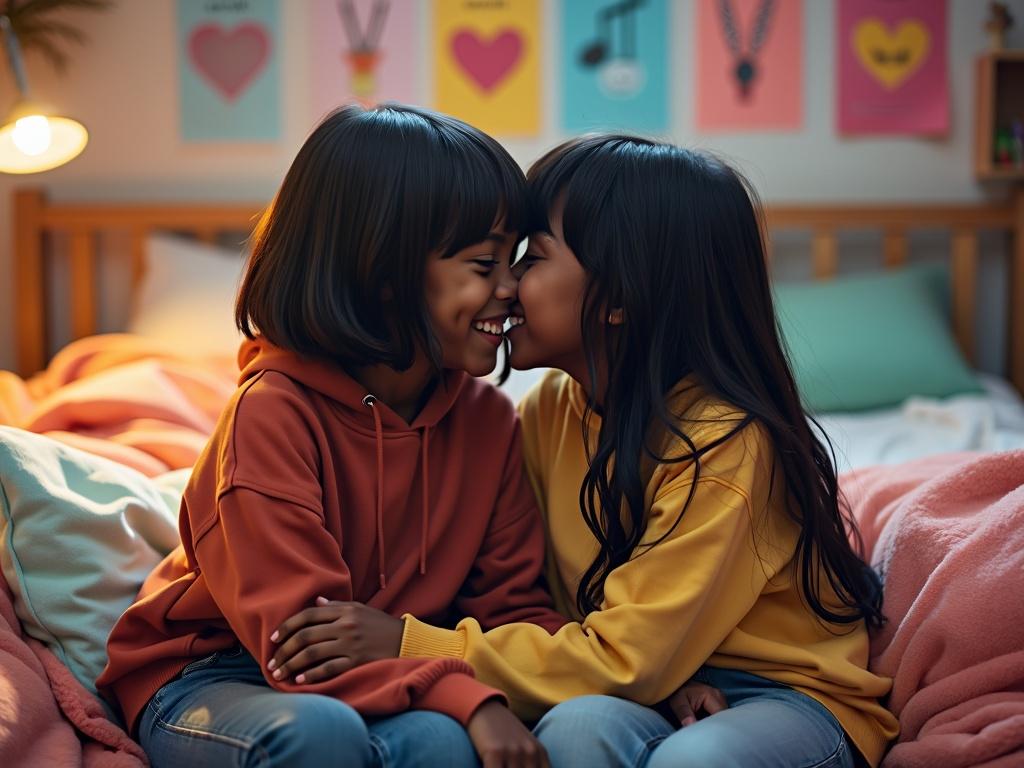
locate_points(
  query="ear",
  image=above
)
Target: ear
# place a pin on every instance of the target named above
(615, 317)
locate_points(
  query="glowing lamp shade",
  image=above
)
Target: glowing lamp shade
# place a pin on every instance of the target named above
(31, 140)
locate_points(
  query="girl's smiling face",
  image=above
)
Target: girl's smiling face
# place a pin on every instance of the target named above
(468, 299)
(546, 329)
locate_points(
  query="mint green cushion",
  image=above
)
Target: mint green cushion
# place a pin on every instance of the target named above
(872, 341)
(79, 535)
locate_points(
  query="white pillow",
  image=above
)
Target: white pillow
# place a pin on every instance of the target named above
(187, 297)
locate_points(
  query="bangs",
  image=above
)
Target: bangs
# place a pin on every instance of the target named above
(476, 186)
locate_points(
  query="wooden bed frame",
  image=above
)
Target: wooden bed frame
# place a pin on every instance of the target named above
(35, 218)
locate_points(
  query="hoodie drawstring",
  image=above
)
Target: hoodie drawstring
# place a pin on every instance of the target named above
(426, 502)
(371, 402)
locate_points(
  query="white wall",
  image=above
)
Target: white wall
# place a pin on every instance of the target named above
(123, 86)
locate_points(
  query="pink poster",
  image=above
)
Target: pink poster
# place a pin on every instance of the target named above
(892, 67)
(749, 65)
(364, 51)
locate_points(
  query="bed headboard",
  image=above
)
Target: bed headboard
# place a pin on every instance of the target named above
(35, 218)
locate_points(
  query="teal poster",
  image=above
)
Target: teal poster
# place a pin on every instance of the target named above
(230, 83)
(615, 65)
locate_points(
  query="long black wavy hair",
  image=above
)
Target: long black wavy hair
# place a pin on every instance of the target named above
(675, 239)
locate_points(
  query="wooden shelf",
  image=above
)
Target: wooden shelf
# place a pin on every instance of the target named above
(999, 100)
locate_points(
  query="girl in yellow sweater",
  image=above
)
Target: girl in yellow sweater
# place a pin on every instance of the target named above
(695, 528)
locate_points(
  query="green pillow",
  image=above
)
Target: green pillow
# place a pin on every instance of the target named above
(79, 535)
(872, 341)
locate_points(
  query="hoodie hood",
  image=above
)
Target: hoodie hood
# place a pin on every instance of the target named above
(256, 355)
(360, 408)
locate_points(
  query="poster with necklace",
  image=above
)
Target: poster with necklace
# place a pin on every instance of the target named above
(892, 67)
(365, 51)
(749, 65)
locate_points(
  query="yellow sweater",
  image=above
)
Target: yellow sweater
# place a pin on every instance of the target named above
(721, 589)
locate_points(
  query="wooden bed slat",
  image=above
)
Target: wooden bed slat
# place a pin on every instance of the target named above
(206, 235)
(965, 284)
(1015, 351)
(138, 257)
(825, 254)
(29, 280)
(83, 283)
(895, 248)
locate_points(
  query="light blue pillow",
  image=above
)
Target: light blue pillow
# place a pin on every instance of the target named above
(872, 341)
(80, 533)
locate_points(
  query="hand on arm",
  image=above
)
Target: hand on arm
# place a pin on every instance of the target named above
(322, 642)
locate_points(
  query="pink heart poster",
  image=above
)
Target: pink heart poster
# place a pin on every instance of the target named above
(892, 67)
(229, 74)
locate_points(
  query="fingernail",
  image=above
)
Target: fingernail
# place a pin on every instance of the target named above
(322, 601)
(271, 665)
(277, 674)
(300, 679)
(273, 637)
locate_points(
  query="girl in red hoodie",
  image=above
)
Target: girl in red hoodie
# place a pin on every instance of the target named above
(359, 460)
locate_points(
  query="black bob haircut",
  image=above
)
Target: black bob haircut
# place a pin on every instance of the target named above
(337, 265)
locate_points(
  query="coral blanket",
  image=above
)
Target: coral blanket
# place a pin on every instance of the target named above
(46, 717)
(125, 398)
(947, 535)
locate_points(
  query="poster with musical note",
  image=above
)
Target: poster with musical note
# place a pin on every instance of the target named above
(487, 64)
(615, 65)
(892, 69)
(229, 78)
(749, 65)
(365, 51)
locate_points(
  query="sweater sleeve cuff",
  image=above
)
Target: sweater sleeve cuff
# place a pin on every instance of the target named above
(458, 696)
(420, 639)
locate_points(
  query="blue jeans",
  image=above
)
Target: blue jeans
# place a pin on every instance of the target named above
(220, 712)
(767, 725)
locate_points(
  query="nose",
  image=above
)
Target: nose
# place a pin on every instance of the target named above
(508, 284)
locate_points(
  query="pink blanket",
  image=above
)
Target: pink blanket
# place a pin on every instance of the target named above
(125, 398)
(947, 535)
(46, 717)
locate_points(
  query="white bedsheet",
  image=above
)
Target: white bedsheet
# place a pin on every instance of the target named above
(921, 427)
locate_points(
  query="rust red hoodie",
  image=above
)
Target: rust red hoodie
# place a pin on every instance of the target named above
(309, 486)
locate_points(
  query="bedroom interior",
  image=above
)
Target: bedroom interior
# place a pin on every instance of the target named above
(896, 247)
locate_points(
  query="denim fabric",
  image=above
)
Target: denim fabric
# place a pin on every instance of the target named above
(767, 725)
(220, 712)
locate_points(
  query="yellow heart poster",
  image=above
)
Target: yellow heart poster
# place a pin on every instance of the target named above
(892, 67)
(487, 64)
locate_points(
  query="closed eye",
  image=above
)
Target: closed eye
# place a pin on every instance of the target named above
(486, 264)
